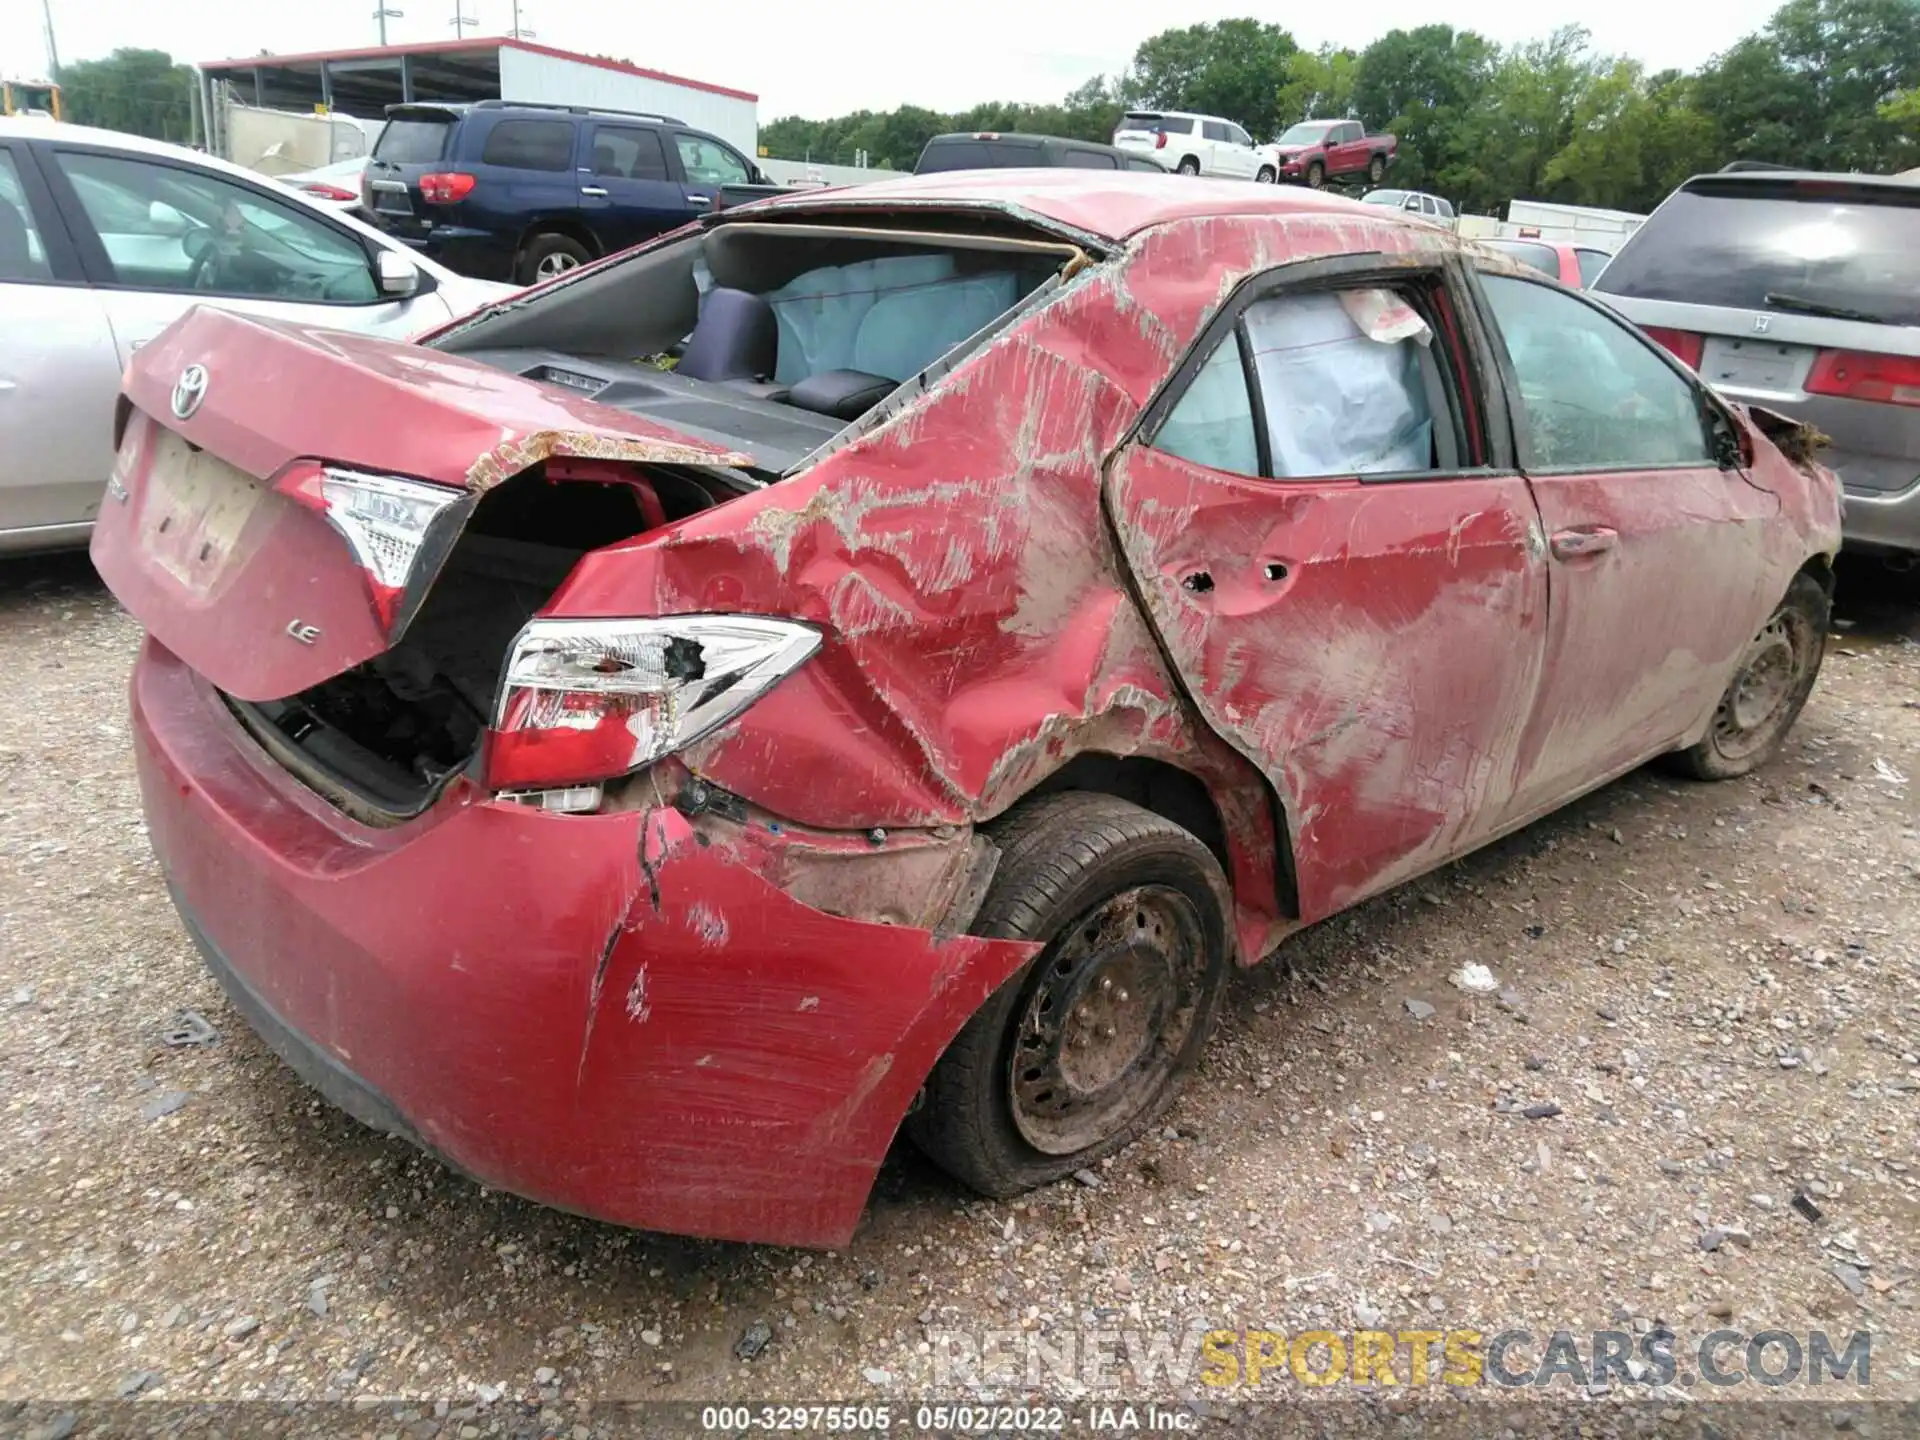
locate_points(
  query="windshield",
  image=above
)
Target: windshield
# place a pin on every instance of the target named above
(1384, 197)
(1753, 244)
(412, 142)
(1309, 133)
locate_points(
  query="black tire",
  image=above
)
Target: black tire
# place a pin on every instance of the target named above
(1083, 873)
(548, 254)
(1266, 176)
(1767, 692)
(1190, 166)
(1317, 175)
(1376, 169)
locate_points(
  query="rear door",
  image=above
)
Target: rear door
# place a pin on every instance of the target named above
(157, 236)
(59, 372)
(628, 192)
(1343, 565)
(1654, 536)
(1800, 294)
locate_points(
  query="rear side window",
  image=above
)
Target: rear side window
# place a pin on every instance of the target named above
(530, 145)
(1541, 257)
(1807, 244)
(413, 142)
(1088, 160)
(1135, 163)
(627, 152)
(22, 256)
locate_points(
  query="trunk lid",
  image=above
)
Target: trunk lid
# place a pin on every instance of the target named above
(283, 496)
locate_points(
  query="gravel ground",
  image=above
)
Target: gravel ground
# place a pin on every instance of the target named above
(1718, 987)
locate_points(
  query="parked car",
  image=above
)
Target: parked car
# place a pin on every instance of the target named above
(508, 190)
(1414, 202)
(1316, 151)
(337, 186)
(1800, 291)
(1028, 597)
(104, 239)
(1575, 265)
(987, 151)
(1190, 144)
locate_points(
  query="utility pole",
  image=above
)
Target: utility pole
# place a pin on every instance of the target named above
(460, 20)
(383, 14)
(516, 32)
(53, 48)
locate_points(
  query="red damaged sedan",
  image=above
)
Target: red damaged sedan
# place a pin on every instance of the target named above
(877, 661)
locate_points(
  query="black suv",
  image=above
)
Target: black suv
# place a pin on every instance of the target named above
(990, 151)
(505, 190)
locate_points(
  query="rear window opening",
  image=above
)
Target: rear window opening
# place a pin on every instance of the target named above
(382, 739)
(1792, 246)
(1147, 122)
(781, 339)
(413, 141)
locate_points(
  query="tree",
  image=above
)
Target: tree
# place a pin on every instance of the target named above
(141, 92)
(1425, 85)
(1318, 83)
(1230, 68)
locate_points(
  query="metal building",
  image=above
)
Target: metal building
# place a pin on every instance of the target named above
(365, 82)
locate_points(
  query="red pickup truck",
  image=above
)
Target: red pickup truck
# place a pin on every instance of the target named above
(1316, 151)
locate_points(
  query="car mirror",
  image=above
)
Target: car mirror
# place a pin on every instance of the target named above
(397, 274)
(166, 220)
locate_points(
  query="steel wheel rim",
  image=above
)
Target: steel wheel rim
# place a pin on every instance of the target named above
(1106, 1018)
(557, 263)
(1763, 687)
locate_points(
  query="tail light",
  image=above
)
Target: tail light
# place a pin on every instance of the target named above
(447, 189)
(331, 192)
(386, 522)
(1861, 375)
(582, 701)
(1686, 346)
(1159, 139)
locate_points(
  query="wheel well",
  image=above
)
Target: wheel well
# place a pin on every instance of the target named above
(1166, 790)
(572, 229)
(1820, 567)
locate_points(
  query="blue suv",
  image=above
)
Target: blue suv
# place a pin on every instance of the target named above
(506, 190)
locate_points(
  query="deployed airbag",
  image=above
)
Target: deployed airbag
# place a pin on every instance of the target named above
(890, 317)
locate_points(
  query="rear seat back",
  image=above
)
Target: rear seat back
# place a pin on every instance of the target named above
(890, 317)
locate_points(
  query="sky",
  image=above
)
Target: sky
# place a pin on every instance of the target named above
(821, 59)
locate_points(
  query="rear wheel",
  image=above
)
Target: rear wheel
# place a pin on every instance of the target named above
(1266, 175)
(1376, 169)
(1089, 1043)
(1190, 165)
(549, 254)
(1771, 685)
(1317, 175)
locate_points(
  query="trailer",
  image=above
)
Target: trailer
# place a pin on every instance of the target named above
(1569, 224)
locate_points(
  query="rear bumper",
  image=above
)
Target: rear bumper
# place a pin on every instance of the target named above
(1875, 520)
(600, 1013)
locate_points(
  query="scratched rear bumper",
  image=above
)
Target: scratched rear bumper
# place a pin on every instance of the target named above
(599, 1013)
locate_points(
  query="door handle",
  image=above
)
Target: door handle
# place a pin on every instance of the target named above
(597, 191)
(1590, 540)
(693, 199)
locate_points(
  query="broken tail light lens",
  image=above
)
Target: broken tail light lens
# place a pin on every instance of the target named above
(1861, 375)
(386, 522)
(1687, 347)
(587, 700)
(446, 189)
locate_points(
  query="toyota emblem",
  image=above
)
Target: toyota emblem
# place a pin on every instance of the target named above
(189, 390)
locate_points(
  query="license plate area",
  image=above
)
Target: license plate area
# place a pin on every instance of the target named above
(1756, 364)
(391, 198)
(196, 508)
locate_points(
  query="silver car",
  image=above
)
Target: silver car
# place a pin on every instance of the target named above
(1799, 292)
(104, 240)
